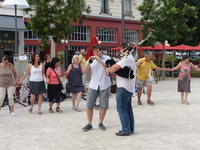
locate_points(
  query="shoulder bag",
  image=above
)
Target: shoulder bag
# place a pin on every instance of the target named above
(60, 84)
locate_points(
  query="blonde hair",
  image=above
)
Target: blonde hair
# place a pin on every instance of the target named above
(74, 58)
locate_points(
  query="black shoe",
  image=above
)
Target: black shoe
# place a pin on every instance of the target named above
(87, 127)
(120, 131)
(121, 134)
(102, 127)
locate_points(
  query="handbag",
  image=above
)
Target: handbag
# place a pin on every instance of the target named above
(60, 84)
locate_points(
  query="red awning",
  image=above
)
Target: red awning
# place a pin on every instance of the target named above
(155, 47)
(179, 47)
(183, 47)
(116, 48)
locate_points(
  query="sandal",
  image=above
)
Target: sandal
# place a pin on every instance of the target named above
(186, 103)
(139, 103)
(50, 110)
(58, 109)
(40, 113)
(150, 102)
(30, 110)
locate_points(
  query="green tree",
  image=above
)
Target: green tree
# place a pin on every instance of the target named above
(54, 18)
(192, 22)
(170, 20)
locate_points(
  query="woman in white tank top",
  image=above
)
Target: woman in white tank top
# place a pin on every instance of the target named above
(36, 81)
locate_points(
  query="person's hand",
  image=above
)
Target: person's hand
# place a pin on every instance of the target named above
(139, 63)
(47, 80)
(169, 69)
(17, 83)
(20, 82)
(98, 59)
(91, 58)
(107, 69)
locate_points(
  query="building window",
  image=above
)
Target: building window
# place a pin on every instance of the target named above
(127, 8)
(80, 34)
(131, 36)
(30, 49)
(28, 34)
(104, 6)
(78, 48)
(7, 35)
(107, 35)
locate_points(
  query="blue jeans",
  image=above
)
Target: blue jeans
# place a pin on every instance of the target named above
(125, 111)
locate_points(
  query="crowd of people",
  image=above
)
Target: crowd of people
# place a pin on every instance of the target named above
(45, 78)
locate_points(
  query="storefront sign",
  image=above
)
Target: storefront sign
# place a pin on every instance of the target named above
(7, 42)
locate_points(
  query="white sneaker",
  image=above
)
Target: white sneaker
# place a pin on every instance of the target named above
(13, 114)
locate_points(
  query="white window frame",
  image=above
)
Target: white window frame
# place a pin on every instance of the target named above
(28, 34)
(131, 36)
(32, 47)
(108, 35)
(82, 33)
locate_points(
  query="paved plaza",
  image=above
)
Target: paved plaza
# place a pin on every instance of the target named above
(169, 125)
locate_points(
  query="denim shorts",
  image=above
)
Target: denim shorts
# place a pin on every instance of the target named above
(140, 83)
(92, 96)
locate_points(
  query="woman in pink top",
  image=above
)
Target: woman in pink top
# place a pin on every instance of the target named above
(184, 77)
(54, 91)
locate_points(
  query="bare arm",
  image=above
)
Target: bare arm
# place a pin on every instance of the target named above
(85, 68)
(159, 68)
(14, 73)
(68, 70)
(195, 68)
(175, 68)
(26, 73)
(43, 73)
(114, 68)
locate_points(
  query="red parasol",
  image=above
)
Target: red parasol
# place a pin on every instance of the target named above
(183, 47)
(197, 47)
(93, 42)
(155, 47)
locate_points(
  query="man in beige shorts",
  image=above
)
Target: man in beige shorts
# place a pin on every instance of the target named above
(144, 66)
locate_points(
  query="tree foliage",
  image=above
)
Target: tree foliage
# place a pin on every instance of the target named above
(172, 20)
(54, 18)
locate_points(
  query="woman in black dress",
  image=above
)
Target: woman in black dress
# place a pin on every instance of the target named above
(75, 72)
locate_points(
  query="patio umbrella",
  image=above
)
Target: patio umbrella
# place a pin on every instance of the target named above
(197, 47)
(93, 42)
(183, 47)
(155, 47)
